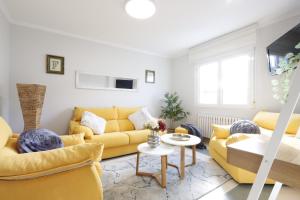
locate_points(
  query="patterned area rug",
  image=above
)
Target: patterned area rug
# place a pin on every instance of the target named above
(120, 182)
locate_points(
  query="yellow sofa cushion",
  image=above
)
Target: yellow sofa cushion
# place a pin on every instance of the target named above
(124, 112)
(180, 129)
(236, 137)
(30, 163)
(112, 126)
(219, 145)
(125, 125)
(106, 113)
(5, 132)
(138, 136)
(268, 120)
(221, 131)
(109, 140)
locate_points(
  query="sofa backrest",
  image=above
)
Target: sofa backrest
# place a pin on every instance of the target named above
(268, 120)
(5, 132)
(116, 117)
(123, 113)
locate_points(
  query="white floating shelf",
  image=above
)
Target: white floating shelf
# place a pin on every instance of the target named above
(87, 80)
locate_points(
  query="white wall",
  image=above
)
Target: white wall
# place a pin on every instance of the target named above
(4, 66)
(183, 76)
(29, 49)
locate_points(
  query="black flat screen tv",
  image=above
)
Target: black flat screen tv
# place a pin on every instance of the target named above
(124, 84)
(283, 45)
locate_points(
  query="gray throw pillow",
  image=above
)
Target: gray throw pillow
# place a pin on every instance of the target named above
(38, 140)
(244, 126)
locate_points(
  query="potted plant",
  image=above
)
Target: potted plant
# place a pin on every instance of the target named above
(281, 86)
(172, 109)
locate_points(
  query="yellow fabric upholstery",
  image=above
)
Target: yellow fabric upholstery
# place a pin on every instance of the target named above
(235, 138)
(69, 140)
(30, 163)
(106, 113)
(76, 128)
(218, 147)
(124, 112)
(120, 136)
(112, 126)
(119, 151)
(268, 120)
(125, 125)
(180, 129)
(5, 132)
(66, 185)
(48, 175)
(221, 131)
(109, 140)
(138, 136)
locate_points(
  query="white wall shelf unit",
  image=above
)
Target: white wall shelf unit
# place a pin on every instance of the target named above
(88, 80)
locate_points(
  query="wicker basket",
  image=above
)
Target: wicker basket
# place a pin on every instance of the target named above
(31, 99)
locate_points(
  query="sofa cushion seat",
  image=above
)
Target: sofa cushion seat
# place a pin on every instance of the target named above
(219, 145)
(109, 140)
(138, 136)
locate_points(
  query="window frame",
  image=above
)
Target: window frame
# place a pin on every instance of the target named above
(219, 58)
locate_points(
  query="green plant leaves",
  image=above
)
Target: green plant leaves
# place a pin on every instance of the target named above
(172, 108)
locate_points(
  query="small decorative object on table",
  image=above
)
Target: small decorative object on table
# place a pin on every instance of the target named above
(180, 137)
(155, 126)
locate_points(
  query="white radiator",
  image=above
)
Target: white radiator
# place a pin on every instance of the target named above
(205, 122)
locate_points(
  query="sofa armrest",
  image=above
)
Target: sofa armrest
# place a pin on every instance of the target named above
(33, 165)
(69, 140)
(76, 128)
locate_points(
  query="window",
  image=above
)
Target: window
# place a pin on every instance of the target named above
(226, 81)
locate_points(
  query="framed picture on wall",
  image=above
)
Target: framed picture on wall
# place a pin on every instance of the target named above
(55, 64)
(150, 76)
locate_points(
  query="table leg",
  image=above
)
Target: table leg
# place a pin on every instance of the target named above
(163, 171)
(137, 163)
(161, 177)
(167, 162)
(194, 154)
(182, 161)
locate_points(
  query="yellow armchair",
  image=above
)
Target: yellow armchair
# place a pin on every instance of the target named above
(48, 175)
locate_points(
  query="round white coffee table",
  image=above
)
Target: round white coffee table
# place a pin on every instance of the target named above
(193, 141)
(163, 150)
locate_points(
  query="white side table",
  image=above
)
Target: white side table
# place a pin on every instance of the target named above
(193, 141)
(163, 151)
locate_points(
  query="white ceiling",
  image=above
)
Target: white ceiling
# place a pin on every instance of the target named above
(176, 26)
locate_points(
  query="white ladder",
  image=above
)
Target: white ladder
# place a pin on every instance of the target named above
(275, 140)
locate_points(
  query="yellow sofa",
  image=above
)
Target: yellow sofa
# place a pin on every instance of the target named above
(49, 175)
(218, 144)
(120, 137)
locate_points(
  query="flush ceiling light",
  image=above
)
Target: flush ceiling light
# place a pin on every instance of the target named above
(140, 9)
